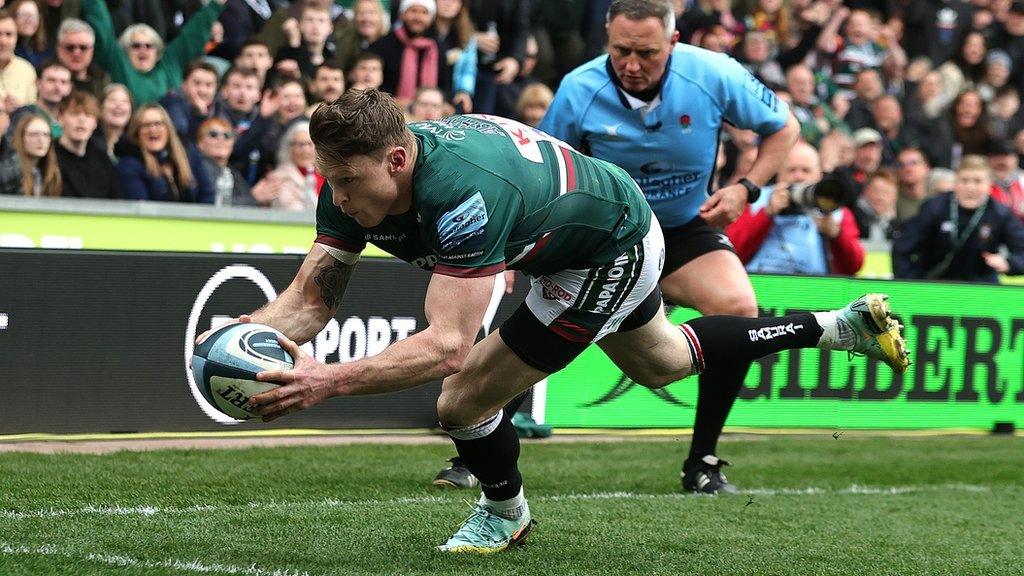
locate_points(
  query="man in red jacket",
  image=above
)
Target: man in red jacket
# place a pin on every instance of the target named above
(775, 235)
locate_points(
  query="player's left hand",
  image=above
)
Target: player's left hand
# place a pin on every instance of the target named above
(724, 206)
(307, 384)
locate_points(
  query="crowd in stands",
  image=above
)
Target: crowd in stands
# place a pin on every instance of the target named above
(899, 101)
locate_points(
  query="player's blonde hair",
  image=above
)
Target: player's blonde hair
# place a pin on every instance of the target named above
(358, 123)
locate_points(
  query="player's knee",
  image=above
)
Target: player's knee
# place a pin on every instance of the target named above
(456, 409)
(735, 305)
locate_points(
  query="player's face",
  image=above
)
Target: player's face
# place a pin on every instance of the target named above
(365, 189)
(972, 187)
(639, 51)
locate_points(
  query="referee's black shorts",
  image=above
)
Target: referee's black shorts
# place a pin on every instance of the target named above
(691, 240)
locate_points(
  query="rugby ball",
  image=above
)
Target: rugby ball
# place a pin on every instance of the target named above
(226, 363)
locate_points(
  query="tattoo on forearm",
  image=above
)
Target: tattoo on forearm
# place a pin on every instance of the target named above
(332, 281)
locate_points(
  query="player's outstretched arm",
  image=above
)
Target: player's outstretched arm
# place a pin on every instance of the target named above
(455, 308)
(312, 299)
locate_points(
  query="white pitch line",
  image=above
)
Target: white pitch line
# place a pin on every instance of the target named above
(149, 511)
(129, 562)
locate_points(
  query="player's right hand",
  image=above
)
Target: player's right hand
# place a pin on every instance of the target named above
(243, 319)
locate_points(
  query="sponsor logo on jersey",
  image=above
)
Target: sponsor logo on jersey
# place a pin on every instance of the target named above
(464, 227)
(400, 237)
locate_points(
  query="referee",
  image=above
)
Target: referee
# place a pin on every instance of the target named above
(656, 107)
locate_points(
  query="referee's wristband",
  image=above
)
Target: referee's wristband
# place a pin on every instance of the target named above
(753, 190)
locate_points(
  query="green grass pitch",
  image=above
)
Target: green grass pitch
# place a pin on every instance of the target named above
(852, 505)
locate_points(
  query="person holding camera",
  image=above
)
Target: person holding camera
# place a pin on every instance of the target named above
(958, 235)
(800, 226)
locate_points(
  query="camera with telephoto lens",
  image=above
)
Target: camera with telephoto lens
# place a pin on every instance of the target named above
(822, 197)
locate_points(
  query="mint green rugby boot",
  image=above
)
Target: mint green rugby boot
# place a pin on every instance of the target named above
(484, 532)
(866, 327)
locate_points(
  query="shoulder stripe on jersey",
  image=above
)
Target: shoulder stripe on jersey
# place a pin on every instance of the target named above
(560, 163)
(570, 170)
(469, 272)
(339, 243)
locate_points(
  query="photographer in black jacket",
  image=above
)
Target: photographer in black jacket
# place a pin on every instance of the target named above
(958, 235)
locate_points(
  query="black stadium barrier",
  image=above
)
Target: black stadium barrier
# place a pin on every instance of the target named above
(97, 341)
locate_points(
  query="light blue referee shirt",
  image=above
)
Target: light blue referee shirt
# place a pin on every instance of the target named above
(669, 145)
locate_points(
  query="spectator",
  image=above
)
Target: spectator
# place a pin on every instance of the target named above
(254, 153)
(215, 139)
(875, 209)
(958, 235)
(52, 87)
(255, 56)
(1005, 116)
(860, 48)
(115, 114)
(933, 27)
(997, 74)
(285, 20)
(427, 105)
(558, 29)
(502, 30)
(867, 89)
(241, 95)
(38, 175)
(86, 170)
(837, 151)
(508, 94)
(411, 57)
(139, 59)
(811, 234)
(926, 105)
(367, 73)
(816, 117)
(1007, 178)
(308, 43)
(913, 182)
(756, 56)
(75, 45)
(328, 84)
(1012, 39)
(10, 162)
(968, 118)
(295, 183)
(241, 20)
(370, 23)
(533, 103)
(195, 101)
(966, 70)
(32, 39)
(867, 157)
(457, 42)
(17, 76)
(940, 181)
(774, 19)
(895, 134)
(157, 165)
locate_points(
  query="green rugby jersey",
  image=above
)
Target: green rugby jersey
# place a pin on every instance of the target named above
(491, 193)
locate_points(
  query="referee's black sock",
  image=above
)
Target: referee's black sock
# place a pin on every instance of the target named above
(717, 341)
(718, 387)
(490, 450)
